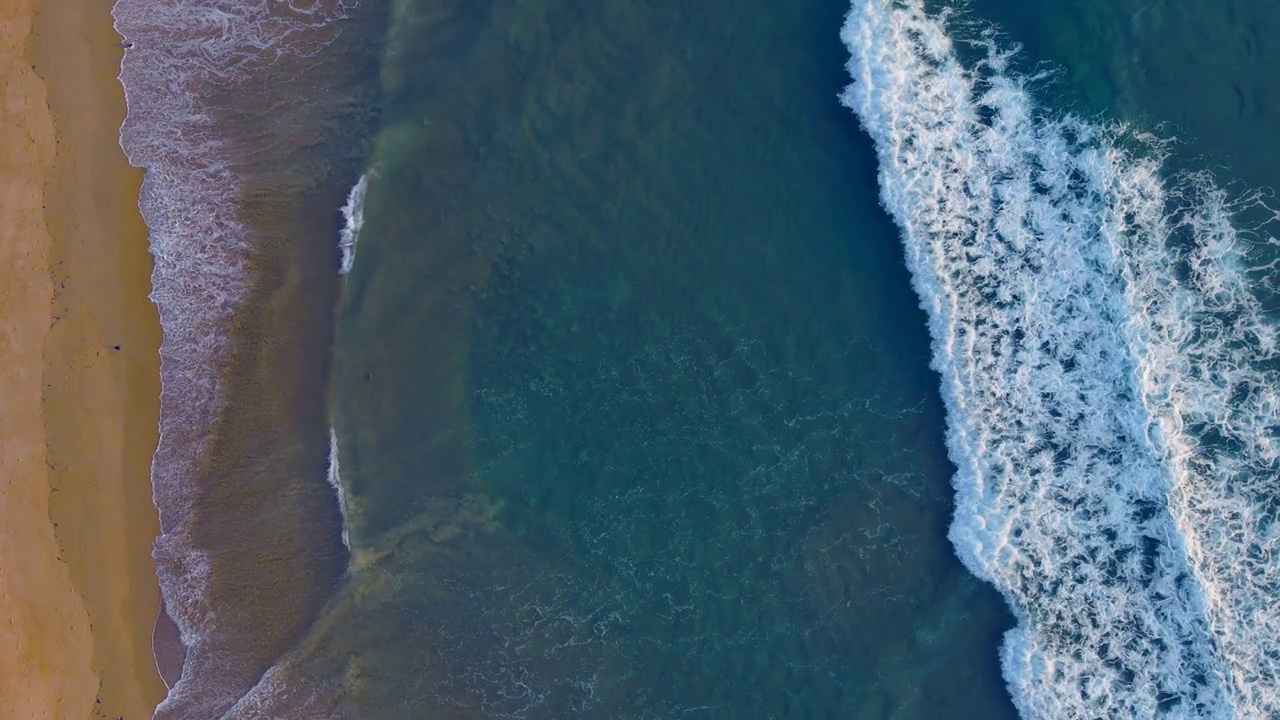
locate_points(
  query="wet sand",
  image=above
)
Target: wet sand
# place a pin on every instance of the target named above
(79, 382)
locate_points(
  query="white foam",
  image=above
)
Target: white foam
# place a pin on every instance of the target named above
(353, 219)
(335, 480)
(1110, 380)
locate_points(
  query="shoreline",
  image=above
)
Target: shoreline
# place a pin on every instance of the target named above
(77, 584)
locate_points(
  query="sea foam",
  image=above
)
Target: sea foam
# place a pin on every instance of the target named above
(1110, 379)
(353, 219)
(335, 481)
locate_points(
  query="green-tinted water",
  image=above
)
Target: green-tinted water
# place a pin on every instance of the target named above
(632, 392)
(631, 388)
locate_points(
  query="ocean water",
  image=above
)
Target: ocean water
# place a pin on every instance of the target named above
(631, 393)
(1102, 323)
(649, 360)
(247, 119)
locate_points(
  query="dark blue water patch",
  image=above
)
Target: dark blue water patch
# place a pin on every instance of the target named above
(632, 391)
(1198, 71)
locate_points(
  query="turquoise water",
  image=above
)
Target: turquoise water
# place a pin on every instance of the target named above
(646, 407)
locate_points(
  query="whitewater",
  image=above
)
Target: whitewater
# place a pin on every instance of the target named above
(1110, 373)
(182, 60)
(352, 220)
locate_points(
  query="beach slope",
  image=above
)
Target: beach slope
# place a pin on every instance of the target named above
(79, 380)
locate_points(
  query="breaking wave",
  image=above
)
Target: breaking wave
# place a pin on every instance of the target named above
(1110, 376)
(335, 481)
(353, 218)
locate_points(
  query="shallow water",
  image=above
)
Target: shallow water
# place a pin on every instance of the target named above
(246, 118)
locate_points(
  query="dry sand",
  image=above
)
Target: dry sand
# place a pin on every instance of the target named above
(78, 593)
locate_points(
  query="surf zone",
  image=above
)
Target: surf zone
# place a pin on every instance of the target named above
(1109, 371)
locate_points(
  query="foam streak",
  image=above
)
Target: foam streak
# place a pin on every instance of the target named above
(353, 218)
(335, 481)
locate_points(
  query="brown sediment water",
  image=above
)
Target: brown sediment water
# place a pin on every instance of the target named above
(167, 647)
(249, 141)
(80, 385)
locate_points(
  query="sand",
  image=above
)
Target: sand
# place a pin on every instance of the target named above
(79, 378)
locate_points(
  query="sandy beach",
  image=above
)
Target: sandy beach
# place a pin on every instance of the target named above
(79, 381)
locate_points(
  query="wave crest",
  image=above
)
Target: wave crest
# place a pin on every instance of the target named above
(353, 220)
